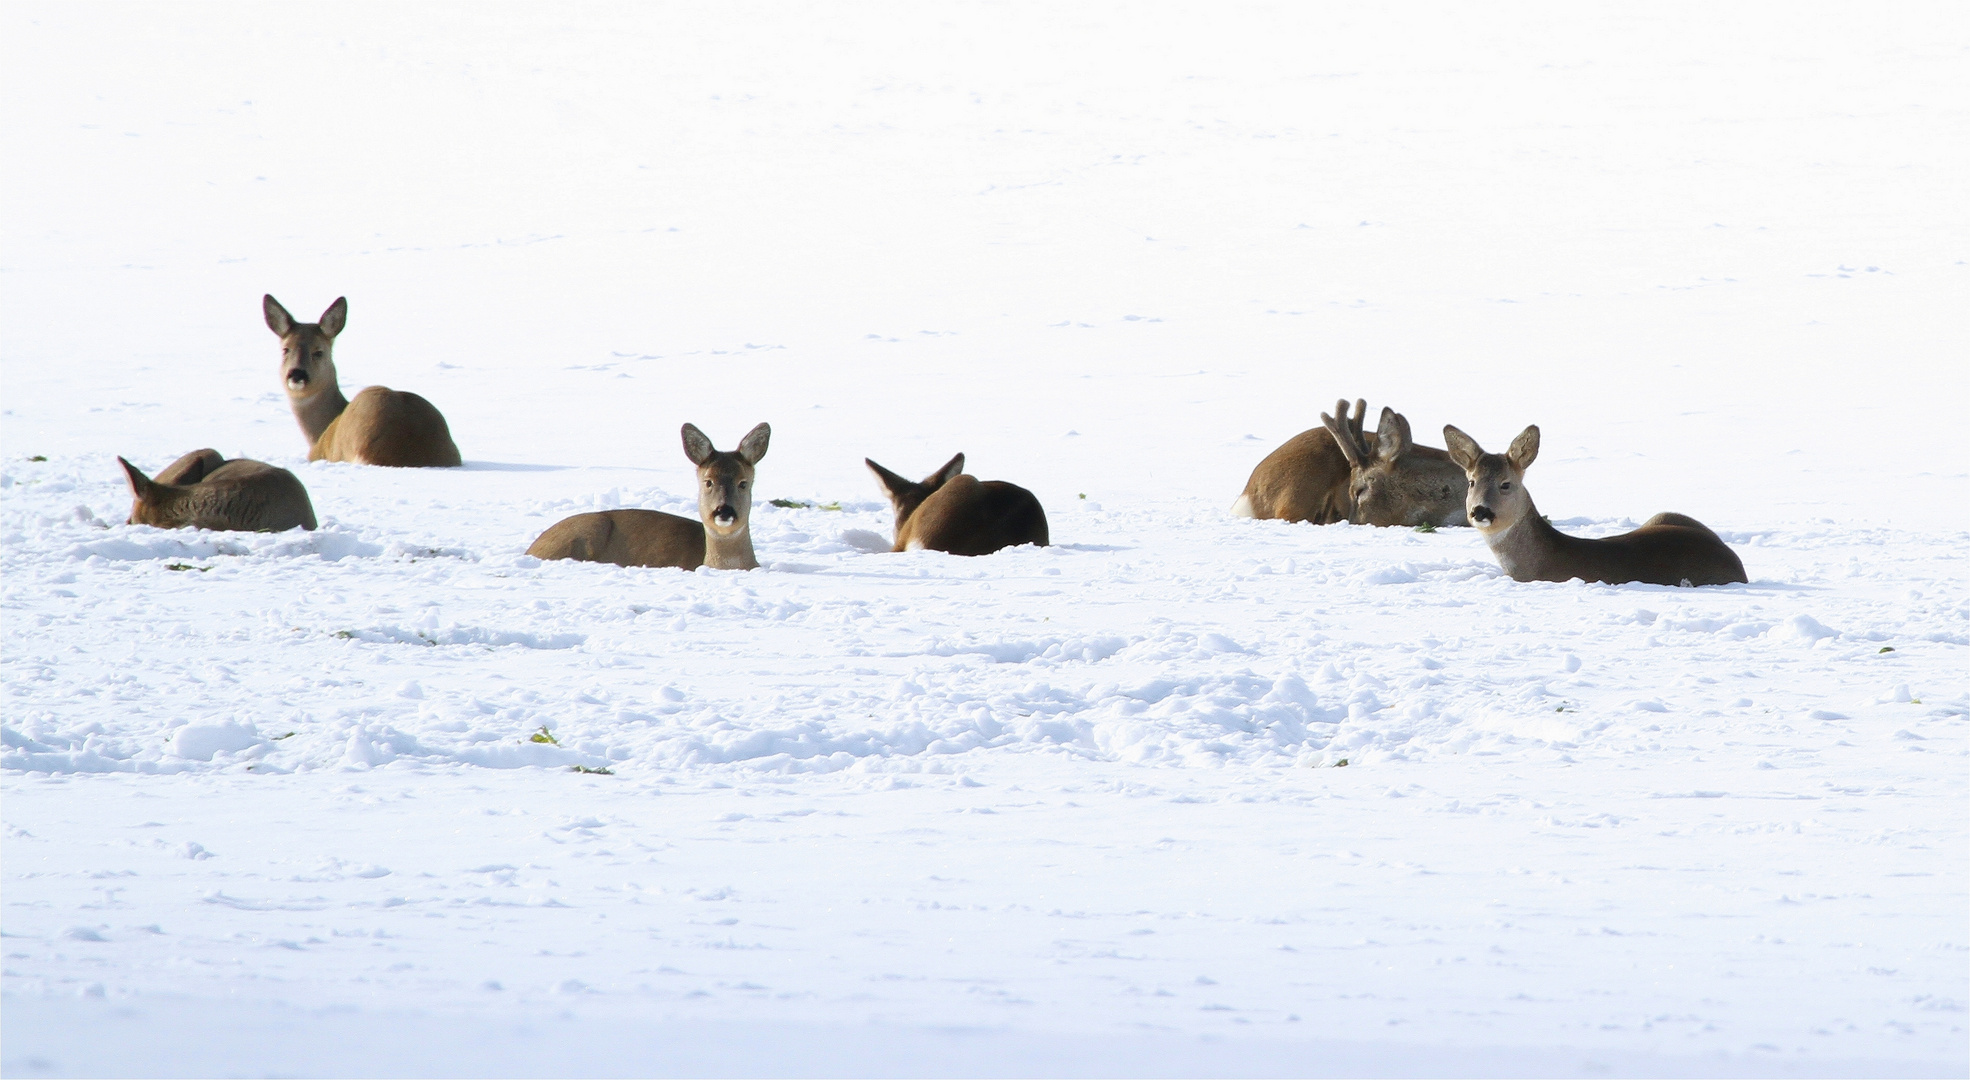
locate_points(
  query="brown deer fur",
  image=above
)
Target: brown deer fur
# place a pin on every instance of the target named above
(202, 490)
(721, 539)
(380, 427)
(1394, 481)
(1669, 548)
(955, 512)
(1316, 476)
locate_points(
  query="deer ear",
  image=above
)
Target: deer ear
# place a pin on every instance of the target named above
(1464, 450)
(1524, 448)
(696, 446)
(1392, 436)
(892, 485)
(1343, 437)
(141, 486)
(336, 317)
(278, 320)
(943, 476)
(753, 446)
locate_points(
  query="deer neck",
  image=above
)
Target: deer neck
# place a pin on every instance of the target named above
(319, 410)
(730, 552)
(1527, 547)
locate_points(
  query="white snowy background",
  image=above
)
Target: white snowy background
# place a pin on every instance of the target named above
(273, 803)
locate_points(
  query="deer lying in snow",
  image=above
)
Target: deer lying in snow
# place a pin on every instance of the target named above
(202, 490)
(381, 427)
(955, 512)
(1338, 472)
(720, 540)
(1669, 549)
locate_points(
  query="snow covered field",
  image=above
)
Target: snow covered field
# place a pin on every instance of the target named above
(308, 803)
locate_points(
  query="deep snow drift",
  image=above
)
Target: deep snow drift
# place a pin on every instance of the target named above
(314, 803)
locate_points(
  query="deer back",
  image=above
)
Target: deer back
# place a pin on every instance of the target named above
(625, 538)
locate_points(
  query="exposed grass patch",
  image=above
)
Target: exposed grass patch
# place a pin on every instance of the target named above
(797, 504)
(1885, 648)
(186, 566)
(592, 772)
(39, 457)
(1426, 527)
(544, 736)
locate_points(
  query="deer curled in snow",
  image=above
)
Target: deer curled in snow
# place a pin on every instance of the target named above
(202, 490)
(721, 539)
(1338, 472)
(381, 427)
(955, 512)
(1669, 549)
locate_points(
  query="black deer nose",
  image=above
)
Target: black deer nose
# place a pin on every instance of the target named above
(1482, 514)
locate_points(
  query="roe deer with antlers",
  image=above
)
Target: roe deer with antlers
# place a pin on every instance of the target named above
(953, 511)
(1338, 472)
(381, 427)
(720, 539)
(1669, 548)
(202, 490)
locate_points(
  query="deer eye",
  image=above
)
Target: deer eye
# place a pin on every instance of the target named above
(1506, 486)
(743, 483)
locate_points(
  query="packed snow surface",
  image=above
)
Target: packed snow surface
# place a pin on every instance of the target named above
(1183, 793)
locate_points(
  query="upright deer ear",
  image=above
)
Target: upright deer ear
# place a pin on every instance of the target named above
(696, 446)
(1464, 450)
(1343, 436)
(893, 485)
(1524, 448)
(278, 320)
(1392, 436)
(753, 446)
(335, 317)
(943, 476)
(141, 486)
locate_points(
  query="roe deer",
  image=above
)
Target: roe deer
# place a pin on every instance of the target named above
(1317, 475)
(1669, 549)
(202, 490)
(953, 511)
(720, 540)
(1392, 480)
(381, 427)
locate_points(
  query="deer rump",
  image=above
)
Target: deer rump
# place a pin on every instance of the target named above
(969, 516)
(382, 426)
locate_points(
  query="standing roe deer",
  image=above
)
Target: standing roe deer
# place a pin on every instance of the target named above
(202, 490)
(1338, 472)
(720, 540)
(381, 427)
(1669, 549)
(953, 511)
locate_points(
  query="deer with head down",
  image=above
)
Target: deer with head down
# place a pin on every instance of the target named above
(202, 490)
(955, 512)
(1339, 472)
(380, 427)
(1669, 548)
(720, 539)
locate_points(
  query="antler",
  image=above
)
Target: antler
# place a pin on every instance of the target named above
(1347, 432)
